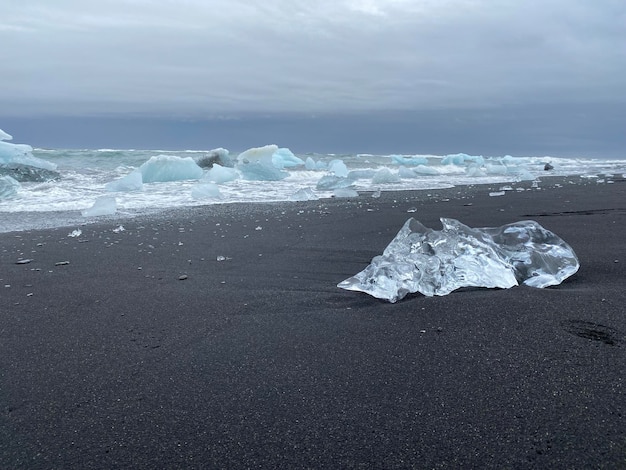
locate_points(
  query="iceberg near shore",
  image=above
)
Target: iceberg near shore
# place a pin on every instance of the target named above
(420, 259)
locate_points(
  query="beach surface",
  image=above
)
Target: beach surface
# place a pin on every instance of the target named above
(216, 337)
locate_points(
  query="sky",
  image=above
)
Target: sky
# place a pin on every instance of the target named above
(427, 76)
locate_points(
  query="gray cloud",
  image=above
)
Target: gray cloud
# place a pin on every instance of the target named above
(220, 57)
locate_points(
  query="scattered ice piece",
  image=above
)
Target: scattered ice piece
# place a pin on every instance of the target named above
(104, 205)
(61, 263)
(420, 259)
(75, 233)
(221, 258)
(183, 277)
(304, 194)
(497, 193)
(345, 192)
(119, 229)
(23, 261)
(411, 210)
(506, 188)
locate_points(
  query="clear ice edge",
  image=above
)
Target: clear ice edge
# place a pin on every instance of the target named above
(437, 262)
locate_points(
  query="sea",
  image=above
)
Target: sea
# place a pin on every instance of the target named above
(83, 176)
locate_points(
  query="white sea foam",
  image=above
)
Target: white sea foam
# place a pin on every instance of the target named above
(89, 174)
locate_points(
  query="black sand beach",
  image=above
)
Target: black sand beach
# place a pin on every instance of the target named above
(145, 351)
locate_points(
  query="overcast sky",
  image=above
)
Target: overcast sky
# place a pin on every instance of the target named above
(208, 59)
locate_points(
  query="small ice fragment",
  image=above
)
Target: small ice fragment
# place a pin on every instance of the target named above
(304, 194)
(61, 263)
(75, 233)
(119, 229)
(497, 193)
(376, 194)
(259, 228)
(412, 209)
(23, 261)
(104, 205)
(221, 258)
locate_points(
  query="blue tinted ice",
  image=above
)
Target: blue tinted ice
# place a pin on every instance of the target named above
(433, 262)
(164, 168)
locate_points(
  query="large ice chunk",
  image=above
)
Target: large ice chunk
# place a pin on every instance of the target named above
(257, 153)
(22, 154)
(284, 158)
(162, 168)
(420, 259)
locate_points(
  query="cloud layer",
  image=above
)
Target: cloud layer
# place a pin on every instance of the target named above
(224, 57)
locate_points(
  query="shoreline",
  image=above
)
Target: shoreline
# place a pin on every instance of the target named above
(35, 220)
(145, 350)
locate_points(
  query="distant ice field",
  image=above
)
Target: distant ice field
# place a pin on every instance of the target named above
(133, 181)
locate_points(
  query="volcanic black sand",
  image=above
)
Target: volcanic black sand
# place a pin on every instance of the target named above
(142, 350)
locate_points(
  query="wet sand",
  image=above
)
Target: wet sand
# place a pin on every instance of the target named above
(145, 351)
